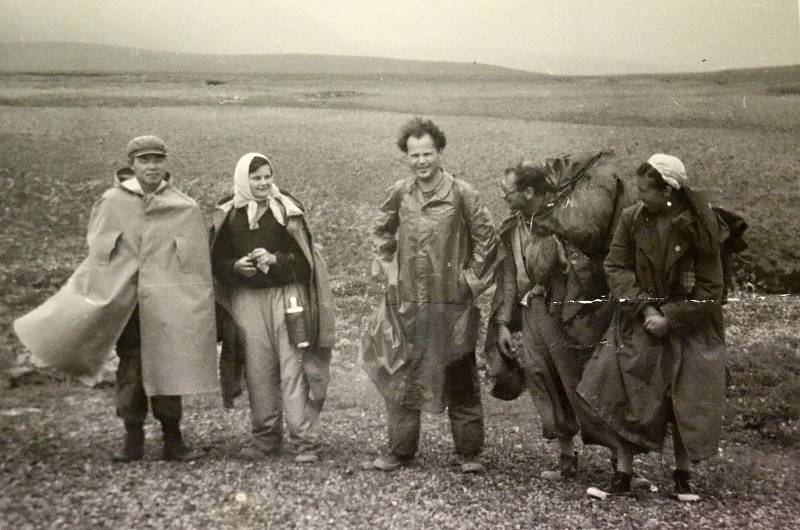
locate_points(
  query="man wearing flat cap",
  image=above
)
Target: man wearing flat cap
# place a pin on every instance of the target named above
(145, 290)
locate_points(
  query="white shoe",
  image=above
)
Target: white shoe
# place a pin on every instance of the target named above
(306, 458)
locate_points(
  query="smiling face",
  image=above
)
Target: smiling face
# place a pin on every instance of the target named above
(423, 157)
(150, 170)
(261, 182)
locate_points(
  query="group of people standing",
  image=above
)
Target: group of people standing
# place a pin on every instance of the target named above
(617, 342)
(620, 335)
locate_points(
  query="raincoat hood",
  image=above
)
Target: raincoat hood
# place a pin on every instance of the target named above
(126, 179)
(705, 233)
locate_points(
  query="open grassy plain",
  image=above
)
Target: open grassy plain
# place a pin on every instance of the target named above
(332, 142)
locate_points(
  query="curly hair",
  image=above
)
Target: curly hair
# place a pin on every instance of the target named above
(417, 127)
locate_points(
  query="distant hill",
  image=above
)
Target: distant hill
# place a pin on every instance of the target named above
(82, 57)
(764, 74)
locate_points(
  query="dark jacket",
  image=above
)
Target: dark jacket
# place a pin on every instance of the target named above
(236, 239)
(636, 381)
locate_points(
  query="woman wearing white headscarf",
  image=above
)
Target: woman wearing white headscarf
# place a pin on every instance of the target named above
(663, 360)
(265, 263)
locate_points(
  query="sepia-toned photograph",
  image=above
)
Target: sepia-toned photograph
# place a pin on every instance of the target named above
(431, 264)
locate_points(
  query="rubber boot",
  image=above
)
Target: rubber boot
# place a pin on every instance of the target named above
(174, 448)
(567, 468)
(620, 486)
(133, 446)
(683, 490)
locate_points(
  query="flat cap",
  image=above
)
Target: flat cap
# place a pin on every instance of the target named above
(146, 145)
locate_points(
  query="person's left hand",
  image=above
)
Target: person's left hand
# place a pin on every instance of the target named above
(505, 341)
(262, 256)
(658, 325)
(464, 291)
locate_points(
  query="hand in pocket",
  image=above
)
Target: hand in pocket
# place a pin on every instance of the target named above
(464, 293)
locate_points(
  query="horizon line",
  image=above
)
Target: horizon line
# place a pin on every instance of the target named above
(398, 59)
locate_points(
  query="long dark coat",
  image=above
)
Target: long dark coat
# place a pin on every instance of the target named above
(636, 381)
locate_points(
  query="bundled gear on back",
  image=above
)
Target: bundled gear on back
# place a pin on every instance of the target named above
(567, 237)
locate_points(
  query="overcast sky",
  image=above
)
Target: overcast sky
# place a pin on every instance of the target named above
(559, 36)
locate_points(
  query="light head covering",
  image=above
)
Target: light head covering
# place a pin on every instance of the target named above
(670, 168)
(242, 196)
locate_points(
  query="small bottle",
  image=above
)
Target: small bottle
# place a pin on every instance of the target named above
(296, 324)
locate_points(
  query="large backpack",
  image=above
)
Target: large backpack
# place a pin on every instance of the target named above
(588, 199)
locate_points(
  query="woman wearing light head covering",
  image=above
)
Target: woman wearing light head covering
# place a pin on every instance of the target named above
(663, 361)
(266, 265)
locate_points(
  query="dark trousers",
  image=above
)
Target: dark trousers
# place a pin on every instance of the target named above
(131, 399)
(464, 409)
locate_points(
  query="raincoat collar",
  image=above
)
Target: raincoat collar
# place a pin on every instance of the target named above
(690, 228)
(124, 178)
(696, 223)
(652, 247)
(441, 192)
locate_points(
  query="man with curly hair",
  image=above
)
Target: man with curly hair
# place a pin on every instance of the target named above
(436, 249)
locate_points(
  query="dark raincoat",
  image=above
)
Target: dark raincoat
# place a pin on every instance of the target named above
(637, 382)
(438, 254)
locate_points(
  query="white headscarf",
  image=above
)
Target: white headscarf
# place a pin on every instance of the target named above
(671, 169)
(242, 196)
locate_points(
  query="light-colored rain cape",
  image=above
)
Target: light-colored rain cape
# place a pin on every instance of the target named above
(145, 249)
